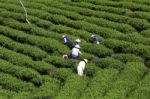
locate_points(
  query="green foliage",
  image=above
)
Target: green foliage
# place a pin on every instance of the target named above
(31, 62)
(60, 62)
(48, 90)
(146, 33)
(118, 46)
(44, 43)
(20, 59)
(34, 52)
(142, 90)
(72, 87)
(128, 58)
(90, 70)
(9, 82)
(21, 72)
(99, 50)
(109, 63)
(62, 74)
(127, 80)
(100, 83)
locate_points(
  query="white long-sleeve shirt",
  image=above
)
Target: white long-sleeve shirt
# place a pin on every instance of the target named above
(65, 40)
(76, 51)
(80, 68)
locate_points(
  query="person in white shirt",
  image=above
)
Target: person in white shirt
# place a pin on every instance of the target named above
(75, 52)
(81, 67)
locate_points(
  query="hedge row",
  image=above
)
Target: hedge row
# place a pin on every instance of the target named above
(34, 30)
(76, 16)
(139, 24)
(73, 87)
(100, 84)
(142, 90)
(9, 82)
(122, 11)
(60, 62)
(128, 58)
(39, 31)
(20, 72)
(127, 80)
(22, 60)
(118, 46)
(57, 19)
(32, 51)
(125, 28)
(142, 15)
(91, 69)
(6, 94)
(104, 32)
(13, 23)
(143, 40)
(127, 47)
(109, 63)
(139, 1)
(43, 23)
(146, 33)
(104, 51)
(125, 37)
(46, 44)
(96, 7)
(62, 74)
(48, 90)
(129, 5)
(98, 50)
(135, 38)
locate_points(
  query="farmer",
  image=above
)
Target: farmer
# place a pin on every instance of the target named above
(77, 41)
(95, 40)
(81, 67)
(66, 40)
(75, 52)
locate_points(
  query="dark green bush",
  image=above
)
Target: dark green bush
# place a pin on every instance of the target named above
(128, 58)
(109, 63)
(118, 46)
(90, 70)
(60, 62)
(98, 50)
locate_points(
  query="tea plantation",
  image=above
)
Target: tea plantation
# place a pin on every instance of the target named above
(31, 63)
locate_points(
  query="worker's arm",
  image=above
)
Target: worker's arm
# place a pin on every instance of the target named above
(80, 52)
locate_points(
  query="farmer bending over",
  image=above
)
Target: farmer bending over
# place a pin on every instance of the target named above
(81, 67)
(95, 40)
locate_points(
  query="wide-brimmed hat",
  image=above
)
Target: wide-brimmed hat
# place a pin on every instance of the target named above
(78, 40)
(86, 61)
(63, 36)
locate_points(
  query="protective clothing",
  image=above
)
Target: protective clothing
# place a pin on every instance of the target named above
(66, 40)
(81, 67)
(75, 52)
